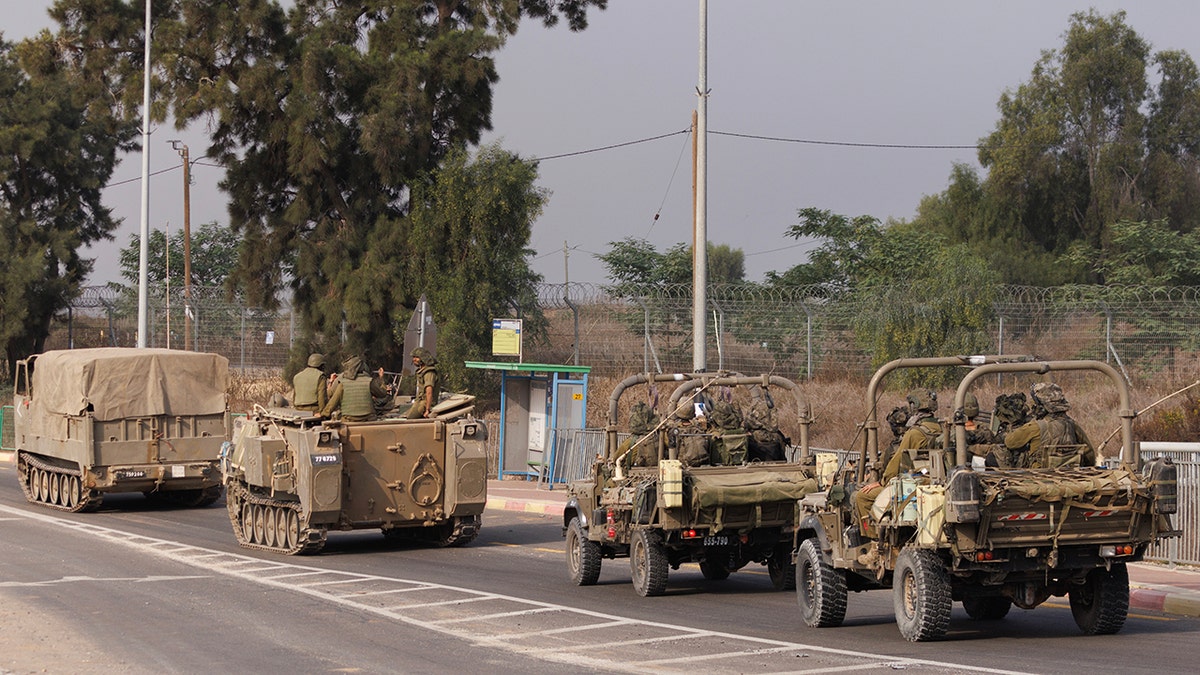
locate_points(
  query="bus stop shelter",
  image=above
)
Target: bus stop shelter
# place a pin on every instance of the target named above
(537, 400)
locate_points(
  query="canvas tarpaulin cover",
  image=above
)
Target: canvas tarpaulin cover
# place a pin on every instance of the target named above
(757, 487)
(120, 382)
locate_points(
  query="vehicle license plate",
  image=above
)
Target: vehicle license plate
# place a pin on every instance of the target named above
(717, 540)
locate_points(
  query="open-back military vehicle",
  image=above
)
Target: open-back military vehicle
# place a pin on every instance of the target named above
(291, 477)
(989, 538)
(97, 421)
(696, 498)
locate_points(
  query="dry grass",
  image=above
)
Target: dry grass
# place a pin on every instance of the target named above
(246, 389)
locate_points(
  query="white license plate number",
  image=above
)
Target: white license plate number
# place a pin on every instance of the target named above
(718, 540)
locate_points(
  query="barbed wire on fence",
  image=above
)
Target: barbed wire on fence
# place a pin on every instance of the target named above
(799, 331)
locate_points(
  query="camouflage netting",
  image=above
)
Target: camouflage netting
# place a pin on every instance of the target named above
(1076, 485)
(756, 487)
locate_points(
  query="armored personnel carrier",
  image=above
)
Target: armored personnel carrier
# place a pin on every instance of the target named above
(988, 537)
(291, 477)
(97, 421)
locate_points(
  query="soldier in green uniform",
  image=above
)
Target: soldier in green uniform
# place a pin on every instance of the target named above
(1054, 439)
(310, 385)
(923, 432)
(642, 421)
(429, 384)
(354, 393)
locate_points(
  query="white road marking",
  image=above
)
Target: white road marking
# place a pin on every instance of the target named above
(581, 652)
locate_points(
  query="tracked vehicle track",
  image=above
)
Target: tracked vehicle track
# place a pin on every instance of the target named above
(266, 524)
(55, 486)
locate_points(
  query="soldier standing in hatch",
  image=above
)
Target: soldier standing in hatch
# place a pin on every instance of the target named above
(310, 385)
(429, 384)
(354, 393)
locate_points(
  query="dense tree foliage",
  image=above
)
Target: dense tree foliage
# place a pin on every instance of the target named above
(917, 293)
(469, 232)
(214, 252)
(634, 262)
(327, 117)
(59, 140)
(1087, 142)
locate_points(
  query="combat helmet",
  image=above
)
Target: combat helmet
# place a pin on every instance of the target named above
(897, 419)
(1050, 396)
(970, 406)
(423, 355)
(922, 400)
(316, 361)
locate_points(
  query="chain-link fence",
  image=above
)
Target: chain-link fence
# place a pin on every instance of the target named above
(107, 316)
(799, 332)
(806, 332)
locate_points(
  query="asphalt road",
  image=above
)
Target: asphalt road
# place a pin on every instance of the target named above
(141, 589)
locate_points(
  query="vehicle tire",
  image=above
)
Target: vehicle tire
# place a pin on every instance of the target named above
(583, 556)
(648, 563)
(714, 569)
(820, 589)
(921, 595)
(1101, 604)
(987, 607)
(782, 569)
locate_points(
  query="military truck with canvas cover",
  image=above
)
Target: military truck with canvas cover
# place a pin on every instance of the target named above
(292, 476)
(990, 538)
(690, 496)
(96, 421)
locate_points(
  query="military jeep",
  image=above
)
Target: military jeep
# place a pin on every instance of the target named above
(715, 506)
(989, 538)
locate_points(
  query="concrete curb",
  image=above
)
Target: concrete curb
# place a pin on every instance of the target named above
(1166, 599)
(525, 506)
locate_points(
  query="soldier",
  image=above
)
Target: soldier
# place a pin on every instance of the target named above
(898, 422)
(767, 442)
(730, 441)
(309, 385)
(354, 393)
(429, 384)
(980, 438)
(688, 436)
(923, 432)
(1055, 439)
(642, 421)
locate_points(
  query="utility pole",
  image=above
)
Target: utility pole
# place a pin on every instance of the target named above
(700, 233)
(144, 249)
(182, 149)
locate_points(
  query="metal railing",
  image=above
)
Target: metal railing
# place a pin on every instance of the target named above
(1184, 549)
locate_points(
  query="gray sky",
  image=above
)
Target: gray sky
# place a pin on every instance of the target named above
(923, 72)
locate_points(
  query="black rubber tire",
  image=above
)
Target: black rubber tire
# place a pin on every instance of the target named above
(820, 589)
(583, 556)
(714, 570)
(987, 607)
(1101, 604)
(921, 595)
(782, 569)
(648, 563)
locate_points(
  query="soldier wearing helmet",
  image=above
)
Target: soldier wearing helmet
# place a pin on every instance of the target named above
(898, 422)
(429, 384)
(1055, 439)
(924, 432)
(354, 393)
(309, 385)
